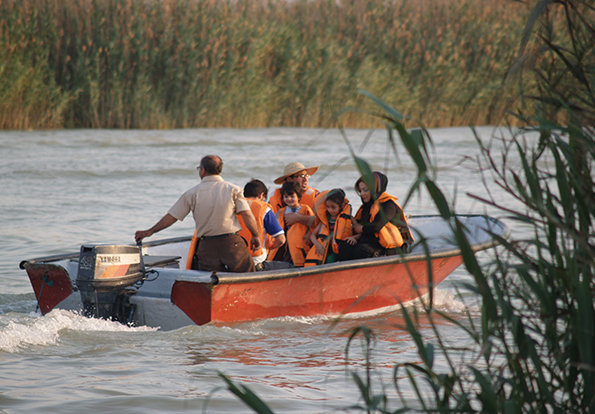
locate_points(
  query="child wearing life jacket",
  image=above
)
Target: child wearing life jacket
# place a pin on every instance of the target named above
(271, 233)
(294, 249)
(333, 231)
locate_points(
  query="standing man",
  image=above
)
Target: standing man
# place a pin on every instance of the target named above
(296, 171)
(214, 204)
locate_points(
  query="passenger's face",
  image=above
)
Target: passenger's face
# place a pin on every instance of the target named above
(364, 192)
(291, 200)
(301, 178)
(333, 208)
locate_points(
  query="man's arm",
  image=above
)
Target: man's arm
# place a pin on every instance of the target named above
(164, 223)
(250, 223)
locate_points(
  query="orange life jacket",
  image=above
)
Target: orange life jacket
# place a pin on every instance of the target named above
(276, 200)
(343, 229)
(390, 235)
(191, 251)
(259, 209)
(295, 236)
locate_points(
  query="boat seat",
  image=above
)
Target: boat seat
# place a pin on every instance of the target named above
(162, 261)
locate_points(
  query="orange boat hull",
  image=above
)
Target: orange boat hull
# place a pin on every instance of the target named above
(342, 291)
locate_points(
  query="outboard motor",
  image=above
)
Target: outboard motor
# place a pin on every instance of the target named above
(105, 274)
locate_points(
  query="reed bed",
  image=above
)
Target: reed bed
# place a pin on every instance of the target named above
(207, 63)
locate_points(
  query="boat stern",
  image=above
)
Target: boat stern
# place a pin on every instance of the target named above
(194, 298)
(50, 283)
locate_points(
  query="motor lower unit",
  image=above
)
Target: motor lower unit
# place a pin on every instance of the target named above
(106, 274)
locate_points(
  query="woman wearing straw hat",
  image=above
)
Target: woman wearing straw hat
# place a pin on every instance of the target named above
(296, 171)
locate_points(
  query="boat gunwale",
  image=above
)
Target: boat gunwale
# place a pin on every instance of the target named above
(267, 275)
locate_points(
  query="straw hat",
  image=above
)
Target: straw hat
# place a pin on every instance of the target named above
(295, 167)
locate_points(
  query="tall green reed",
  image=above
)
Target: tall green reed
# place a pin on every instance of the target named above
(182, 63)
(29, 96)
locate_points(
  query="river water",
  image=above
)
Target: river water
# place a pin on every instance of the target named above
(61, 189)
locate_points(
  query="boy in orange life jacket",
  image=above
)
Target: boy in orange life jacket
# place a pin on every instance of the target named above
(333, 231)
(294, 249)
(271, 233)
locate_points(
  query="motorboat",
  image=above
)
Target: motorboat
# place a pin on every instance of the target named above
(153, 285)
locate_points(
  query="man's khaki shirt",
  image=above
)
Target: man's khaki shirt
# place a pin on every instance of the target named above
(214, 204)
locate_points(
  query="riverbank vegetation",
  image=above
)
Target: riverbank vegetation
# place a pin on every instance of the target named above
(530, 349)
(208, 63)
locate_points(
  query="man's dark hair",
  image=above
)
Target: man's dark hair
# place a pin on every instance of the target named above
(291, 187)
(254, 188)
(213, 164)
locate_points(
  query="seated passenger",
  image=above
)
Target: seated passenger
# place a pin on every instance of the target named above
(382, 234)
(294, 249)
(271, 233)
(333, 231)
(295, 172)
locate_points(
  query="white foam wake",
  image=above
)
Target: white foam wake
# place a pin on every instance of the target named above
(36, 330)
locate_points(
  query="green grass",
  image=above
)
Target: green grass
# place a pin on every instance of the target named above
(199, 63)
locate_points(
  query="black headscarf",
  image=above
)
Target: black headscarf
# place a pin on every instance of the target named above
(378, 185)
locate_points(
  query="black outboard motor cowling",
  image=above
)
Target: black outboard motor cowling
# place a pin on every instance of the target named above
(105, 274)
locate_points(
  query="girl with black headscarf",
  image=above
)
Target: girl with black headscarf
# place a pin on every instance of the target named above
(380, 220)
